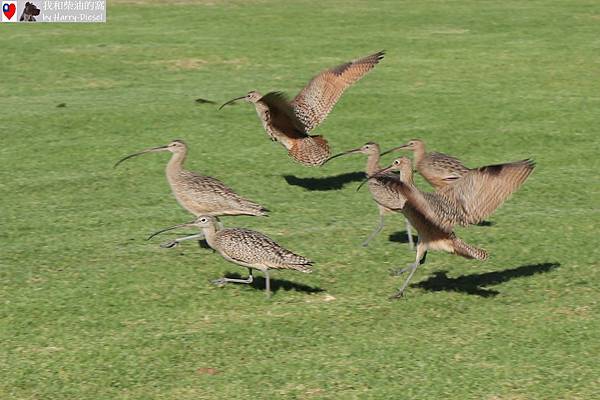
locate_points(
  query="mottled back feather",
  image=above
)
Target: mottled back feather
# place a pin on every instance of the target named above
(255, 248)
(213, 196)
(440, 169)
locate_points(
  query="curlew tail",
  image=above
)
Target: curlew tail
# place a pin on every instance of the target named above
(467, 251)
(301, 268)
(311, 151)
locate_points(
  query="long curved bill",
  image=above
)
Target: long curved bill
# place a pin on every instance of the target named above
(232, 101)
(153, 149)
(394, 149)
(170, 229)
(341, 154)
(375, 175)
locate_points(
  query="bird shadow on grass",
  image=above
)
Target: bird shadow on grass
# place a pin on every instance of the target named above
(474, 283)
(335, 182)
(485, 223)
(260, 283)
(401, 237)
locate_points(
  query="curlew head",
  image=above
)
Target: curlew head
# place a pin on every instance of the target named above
(402, 164)
(176, 146)
(414, 144)
(252, 97)
(367, 148)
(203, 221)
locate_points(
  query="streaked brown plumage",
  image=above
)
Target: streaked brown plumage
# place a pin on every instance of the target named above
(434, 215)
(289, 122)
(200, 194)
(247, 248)
(381, 187)
(439, 169)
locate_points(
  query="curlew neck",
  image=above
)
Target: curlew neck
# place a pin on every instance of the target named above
(419, 152)
(406, 174)
(373, 163)
(175, 164)
(210, 233)
(261, 109)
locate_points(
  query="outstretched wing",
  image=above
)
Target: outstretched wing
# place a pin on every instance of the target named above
(471, 198)
(282, 115)
(482, 190)
(316, 100)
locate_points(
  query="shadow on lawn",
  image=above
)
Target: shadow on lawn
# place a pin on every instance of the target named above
(335, 182)
(259, 283)
(472, 284)
(485, 223)
(401, 237)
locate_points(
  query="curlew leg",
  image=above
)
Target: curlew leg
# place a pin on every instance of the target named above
(175, 243)
(375, 232)
(224, 281)
(409, 233)
(268, 283)
(421, 251)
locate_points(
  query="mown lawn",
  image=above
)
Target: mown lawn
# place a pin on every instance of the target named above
(90, 310)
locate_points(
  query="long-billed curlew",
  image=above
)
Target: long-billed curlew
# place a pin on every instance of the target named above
(388, 200)
(200, 194)
(247, 248)
(434, 215)
(439, 169)
(289, 122)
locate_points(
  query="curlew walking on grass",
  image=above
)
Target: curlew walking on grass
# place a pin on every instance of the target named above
(248, 248)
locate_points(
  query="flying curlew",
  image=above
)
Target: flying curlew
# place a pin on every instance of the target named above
(289, 122)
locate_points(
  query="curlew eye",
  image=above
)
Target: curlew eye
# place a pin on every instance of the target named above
(203, 220)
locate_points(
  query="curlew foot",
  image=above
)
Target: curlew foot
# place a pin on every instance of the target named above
(400, 271)
(170, 244)
(397, 295)
(412, 268)
(219, 282)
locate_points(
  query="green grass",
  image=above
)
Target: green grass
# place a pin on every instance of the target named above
(90, 310)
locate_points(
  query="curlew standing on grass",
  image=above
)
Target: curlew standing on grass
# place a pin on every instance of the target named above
(381, 187)
(289, 122)
(248, 248)
(468, 201)
(200, 194)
